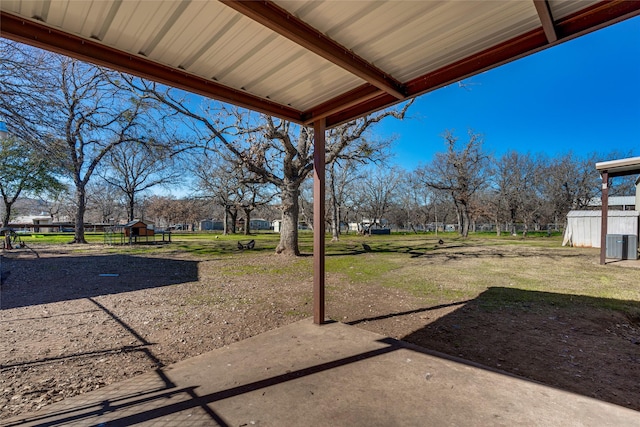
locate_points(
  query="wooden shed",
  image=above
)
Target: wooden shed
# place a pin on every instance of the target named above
(138, 230)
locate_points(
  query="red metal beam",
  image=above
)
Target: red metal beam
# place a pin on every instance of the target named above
(590, 19)
(605, 215)
(318, 221)
(40, 35)
(596, 17)
(282, 22)
(487, 59)
(349, 106)
(546, 19)
(349, 99)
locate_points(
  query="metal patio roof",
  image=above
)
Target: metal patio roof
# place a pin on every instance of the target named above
(620, 167)
(305, 60)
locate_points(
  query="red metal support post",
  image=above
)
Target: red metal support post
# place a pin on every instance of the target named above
(605, 214)
(319, 128)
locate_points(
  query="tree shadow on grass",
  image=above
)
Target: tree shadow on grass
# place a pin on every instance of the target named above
(448, 252)
(585, 345)
(46, 280)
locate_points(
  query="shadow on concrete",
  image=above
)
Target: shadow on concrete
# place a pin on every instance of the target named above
(119, 408)
(419, 386)
(581, 344)
(46, 280)
(404, 313)
(159, 389)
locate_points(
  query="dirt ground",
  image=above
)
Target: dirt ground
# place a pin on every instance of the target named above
(73, 322)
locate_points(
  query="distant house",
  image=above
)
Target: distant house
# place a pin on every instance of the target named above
(276, 225)
(625, 203)
(42, 222)
(260, 224)
(211, 224)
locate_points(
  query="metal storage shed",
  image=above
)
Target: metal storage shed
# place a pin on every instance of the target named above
(611, 169)
(583, 227)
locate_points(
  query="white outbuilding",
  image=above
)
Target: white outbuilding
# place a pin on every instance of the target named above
(583, 227)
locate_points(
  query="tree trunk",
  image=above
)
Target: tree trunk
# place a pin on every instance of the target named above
(335, 213)
(7, 214)
(247, 221)
(230, 219)
(225, 222)
(131, 206)
(289, 230)
(458, 215)
(464, 219)
(335, 222)
(81, 205)
(234, 221)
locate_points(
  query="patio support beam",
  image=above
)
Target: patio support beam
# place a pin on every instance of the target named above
(319, 128)
(546, 19)
(284, 23)
(605, 213)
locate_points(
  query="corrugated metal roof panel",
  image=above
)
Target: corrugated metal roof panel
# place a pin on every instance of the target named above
(243, 49)
(614, 201)
(563, 8)
(394, 43)
(398, 36)
(598, 213)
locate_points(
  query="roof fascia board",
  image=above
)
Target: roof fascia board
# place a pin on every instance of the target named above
(287, 25)
(40, 35)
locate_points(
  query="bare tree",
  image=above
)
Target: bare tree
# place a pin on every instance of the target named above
(252, 196)
(230, 187)
(168, 211)
(274, 151)
(160, 210)
(570, 183)
(461, 171)
(216, 180)
(342, 176)
(378, 192)
(24, 93)
(137, 166)
(419, 199)
(79, 116)
(518, 183)
(104, 203)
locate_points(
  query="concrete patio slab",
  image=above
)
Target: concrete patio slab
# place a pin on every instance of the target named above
(331, 375)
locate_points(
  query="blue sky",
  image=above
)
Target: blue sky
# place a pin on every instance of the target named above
(581, 96)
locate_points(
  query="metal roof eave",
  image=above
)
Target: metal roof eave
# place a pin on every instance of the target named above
(347, 106)
(583, 22)
(43, 36)
(621, 167)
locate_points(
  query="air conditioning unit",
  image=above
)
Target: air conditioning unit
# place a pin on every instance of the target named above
(622, 246)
